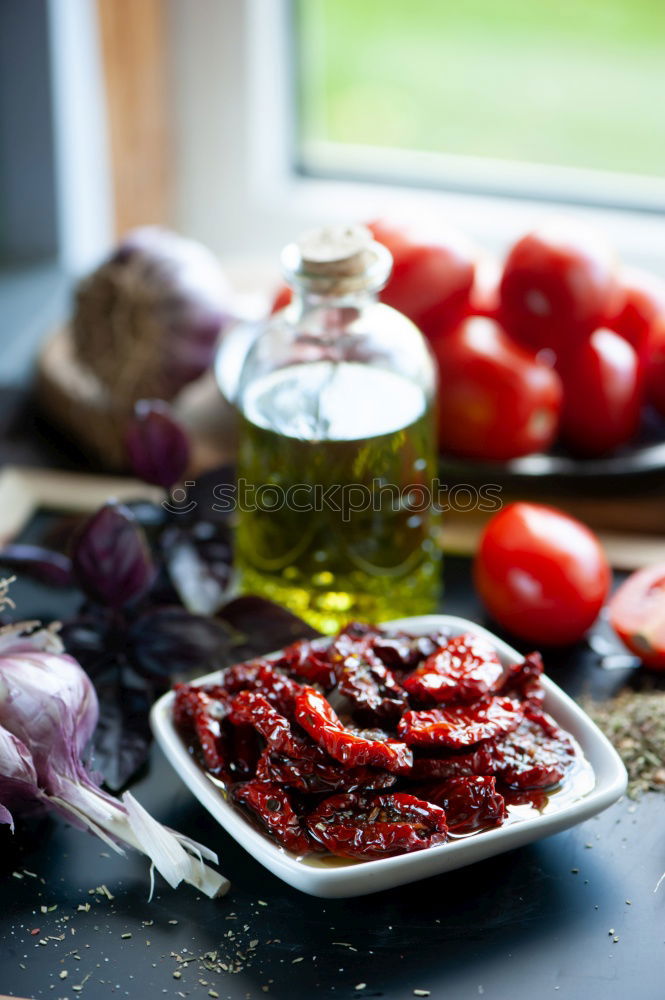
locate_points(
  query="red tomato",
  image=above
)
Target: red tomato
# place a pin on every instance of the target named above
(541, 574)
(393, 235)
(484, 297)
(642, 303)
(559, 283)
(602, 394)
(637, 614)
(282, 298)
(655, 367)
(432, 275)
(496, 401)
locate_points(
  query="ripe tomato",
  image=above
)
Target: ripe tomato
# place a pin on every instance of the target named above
(496, 400)
(637, 615)
(641, 305)
(559, 283)
(655, 367)
(281, 299)
(541, 574)
(484, 296)
(602, 394)
(432, 274)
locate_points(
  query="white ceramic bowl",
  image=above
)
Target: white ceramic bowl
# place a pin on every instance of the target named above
(359, 878)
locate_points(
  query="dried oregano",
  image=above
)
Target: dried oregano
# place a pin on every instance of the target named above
(634, 722)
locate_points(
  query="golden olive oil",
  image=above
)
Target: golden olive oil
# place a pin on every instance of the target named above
(335, 517)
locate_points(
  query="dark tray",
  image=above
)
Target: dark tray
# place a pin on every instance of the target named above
(641, 464)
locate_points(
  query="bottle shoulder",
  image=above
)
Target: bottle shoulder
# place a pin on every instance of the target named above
(376, 336)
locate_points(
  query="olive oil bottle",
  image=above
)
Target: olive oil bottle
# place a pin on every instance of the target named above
(337, 445)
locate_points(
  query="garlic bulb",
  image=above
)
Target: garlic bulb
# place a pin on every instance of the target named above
(147, 320)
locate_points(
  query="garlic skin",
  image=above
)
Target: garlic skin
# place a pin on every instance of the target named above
(48, 712)
(147, 321)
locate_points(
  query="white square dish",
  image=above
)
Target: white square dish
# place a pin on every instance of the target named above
(360, 878)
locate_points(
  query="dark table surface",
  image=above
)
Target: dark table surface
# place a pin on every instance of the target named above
(538, 921)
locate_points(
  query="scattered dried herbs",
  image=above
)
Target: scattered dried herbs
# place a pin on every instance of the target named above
(634, 722)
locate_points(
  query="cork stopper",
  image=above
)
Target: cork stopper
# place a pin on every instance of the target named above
(337, 260)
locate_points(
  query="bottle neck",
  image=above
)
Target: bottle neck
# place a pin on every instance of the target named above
(305, 300)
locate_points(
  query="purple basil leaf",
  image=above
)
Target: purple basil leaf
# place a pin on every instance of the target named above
(88, 638)
(151, 516)
(262, 627)
(198, 562)
(39, 563)
(157, 446)
(122, 739)
(170, 642)
(214, 493)
(111, 559)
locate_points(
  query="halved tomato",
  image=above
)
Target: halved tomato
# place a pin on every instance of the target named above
(637, 614)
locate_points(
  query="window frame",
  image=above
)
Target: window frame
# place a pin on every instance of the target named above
(54, 138)
(59, 222)
(242, 148)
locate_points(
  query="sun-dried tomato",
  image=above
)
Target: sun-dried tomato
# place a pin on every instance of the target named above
(469, 803)
(534, 710)
(245, 752)
(403, 652)
(318, 718)
(241, 676)
(308, 661)
(465, 669)
(253, 709)
(201, 716)
(271, 803)
(262, 676)
(397, 650)
(525, 678)
(355, 639)
(291, 759)
(358, 825)
(479, 761)
(189, 702)
(479, 735)
(322, 775)
(533, 756)
(372, 689)
(214, 745)
(460, 725)
(362, 676)
(185, 703)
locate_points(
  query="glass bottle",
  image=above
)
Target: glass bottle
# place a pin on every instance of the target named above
(337, 444)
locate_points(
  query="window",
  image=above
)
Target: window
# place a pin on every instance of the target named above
(501, 96)
(277, 104)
